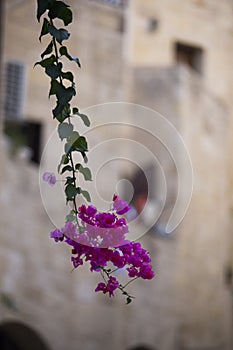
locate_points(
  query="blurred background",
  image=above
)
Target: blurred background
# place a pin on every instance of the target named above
(174, 57)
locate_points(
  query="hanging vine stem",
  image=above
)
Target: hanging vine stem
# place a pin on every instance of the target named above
(70, 155)
(129, 297)
(90, 240)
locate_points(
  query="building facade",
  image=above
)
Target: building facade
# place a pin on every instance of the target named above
(173, 57)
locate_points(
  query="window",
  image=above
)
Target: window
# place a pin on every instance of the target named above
(22, 133)
(152, 25)
(142, 181)
(25, 134)
(189, 55)
(14, 89)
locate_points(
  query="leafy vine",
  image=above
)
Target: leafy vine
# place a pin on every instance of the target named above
(95, 237)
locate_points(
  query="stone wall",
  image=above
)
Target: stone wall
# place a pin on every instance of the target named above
(204, 234)
(188, 23)
(188, 304)
(203, 238)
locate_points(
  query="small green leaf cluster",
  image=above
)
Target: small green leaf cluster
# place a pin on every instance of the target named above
(62, 86)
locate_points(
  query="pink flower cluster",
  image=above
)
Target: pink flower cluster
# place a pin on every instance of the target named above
(101, 229)
(101, 242)
(111, 285)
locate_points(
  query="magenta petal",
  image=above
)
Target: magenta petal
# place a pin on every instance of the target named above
(121, 207)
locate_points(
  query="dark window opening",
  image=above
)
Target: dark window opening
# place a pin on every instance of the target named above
(140, 184)
(191, 56)
(152, 25)
(25, 134)
(143, 185)
(121, 24)
(228, 276)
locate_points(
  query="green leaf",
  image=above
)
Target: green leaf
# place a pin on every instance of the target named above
(85, 171)
(57, 110)
(44, 29)
(54, 71)
(66, 16)
(80, 144)
(68, 75)
(60, 10)
(42, 6)
(84, 117)
(64, 160)
(128, 300)
(84, 157)
(75, 110)
(46, 62)
(73, 137)
(64, 130)
(66, 168)
(69, 180)
(63, 51)
(56, 8)
(64, 95)
(76, 143)
(86, 195)
(53, 87)
(64, 113)
(68, 148)
(59, 34)
(70, 191)
(48, 50)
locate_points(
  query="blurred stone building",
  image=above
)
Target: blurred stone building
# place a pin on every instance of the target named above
(174, 57)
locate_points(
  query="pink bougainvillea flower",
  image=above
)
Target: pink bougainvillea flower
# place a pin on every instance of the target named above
(57, 235)
(121, 207)
(111, 285)
(102, 242)
(50, 178)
